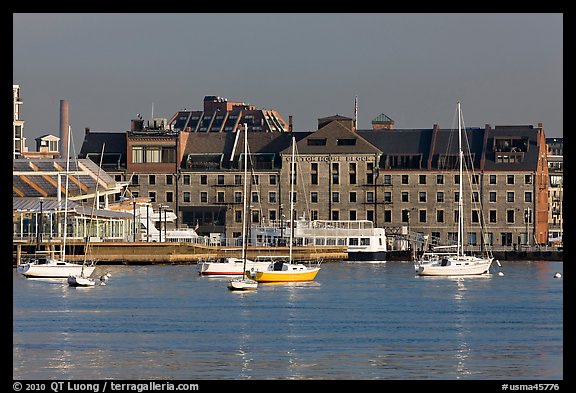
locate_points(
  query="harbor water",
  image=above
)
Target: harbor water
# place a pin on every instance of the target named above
(356, 320)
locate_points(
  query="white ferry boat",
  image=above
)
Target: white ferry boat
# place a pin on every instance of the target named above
(364, 242)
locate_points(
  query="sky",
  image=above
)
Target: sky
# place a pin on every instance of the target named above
(504, 68)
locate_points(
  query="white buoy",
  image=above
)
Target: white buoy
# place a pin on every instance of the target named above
(557, 275)
(500, 273)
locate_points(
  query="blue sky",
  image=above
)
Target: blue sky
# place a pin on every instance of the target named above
(505, 69)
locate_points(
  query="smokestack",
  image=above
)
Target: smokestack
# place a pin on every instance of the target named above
(64, 128)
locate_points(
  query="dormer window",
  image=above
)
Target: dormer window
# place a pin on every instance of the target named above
(316, 141)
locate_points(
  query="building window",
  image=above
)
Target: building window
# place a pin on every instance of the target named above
(370, 215)
(475, 216)
(492, 216)
(135, 180)
(387, 180)
(237, 215)
(527, 179)
(203, 179)
(439, 179)
(404, 179)
(204, 197)
(169, 196)
(456, 215)
(335, 173)
(421, 179)
(475, 179)
(440, 196)
(510, 216)
(422, 215)
(457, 196)
(405, 196)
(510, 179)
(168, 179)
(370, 197)
(186, 196)
(510, 196)
(187, 179)
(387, 197)
(254, 197)
(220, 180)
(370, 173)
(238, 197)
(352, 215)
(313, 215)
(294, 196)
(238, 180)
(475, 197)
(256, 179)
(405, 215)
(335, 215)
(506, 238)
(335, 197)
(492, 196)
(272, 180)
(314, 173)
(220, 197)
(137, 155)
(314, 197)
(387, 215)
(472, 238)
(528, 196)
(352, 196)
(439, 215)
(352, 173)
(255, 216)
(456, 179)
(422, 196)
(492, 179)
(152, 196)
(151, 179)
(272, 197)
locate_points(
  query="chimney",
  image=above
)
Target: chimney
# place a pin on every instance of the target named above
(86, 130)
(64, 124)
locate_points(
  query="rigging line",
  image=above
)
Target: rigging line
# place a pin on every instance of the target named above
(95, 199)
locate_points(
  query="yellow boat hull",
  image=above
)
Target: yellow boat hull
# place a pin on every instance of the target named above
(286, 276)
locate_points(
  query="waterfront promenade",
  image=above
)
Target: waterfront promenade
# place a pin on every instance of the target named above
(138, 253)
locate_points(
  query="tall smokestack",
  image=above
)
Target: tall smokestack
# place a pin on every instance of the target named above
(64, 128)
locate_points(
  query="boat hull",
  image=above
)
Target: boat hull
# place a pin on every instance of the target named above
(460, 269)
(286, 275)
(79, 281)
(242, 284)
(53, 270)
(229, 268)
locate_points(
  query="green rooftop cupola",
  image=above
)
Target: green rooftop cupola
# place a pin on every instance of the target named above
(382, 122)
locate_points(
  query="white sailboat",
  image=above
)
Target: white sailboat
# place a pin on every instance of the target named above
(46, 266)
(244, 283)
(452, 260)
(84, 279)
(279, 270)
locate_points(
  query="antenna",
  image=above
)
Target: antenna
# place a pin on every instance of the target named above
(356, 112)
(152, 115)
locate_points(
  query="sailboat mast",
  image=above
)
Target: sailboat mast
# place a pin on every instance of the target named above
(245, 192)
(460, 196)
(292, 181)
(63, 252)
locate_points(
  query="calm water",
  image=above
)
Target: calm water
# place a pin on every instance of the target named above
(355, 321)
